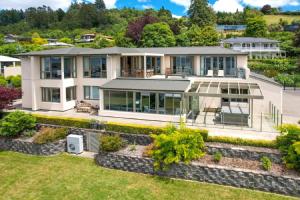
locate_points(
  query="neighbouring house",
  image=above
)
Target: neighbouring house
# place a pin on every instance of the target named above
(9, 66)
(231, 28)
(291, 27)
(149, 83)
(257, 48)
(11, 38)
(56, 43)
(86, 38)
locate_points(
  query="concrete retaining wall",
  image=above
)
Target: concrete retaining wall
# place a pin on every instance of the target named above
(204, 173)
(31, 148)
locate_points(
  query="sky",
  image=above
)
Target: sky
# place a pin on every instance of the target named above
(177, 7)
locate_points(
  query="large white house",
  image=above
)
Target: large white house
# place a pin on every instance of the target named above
(257, 48)
(172, 81)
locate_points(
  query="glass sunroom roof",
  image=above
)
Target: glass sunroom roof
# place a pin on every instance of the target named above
(226, 89)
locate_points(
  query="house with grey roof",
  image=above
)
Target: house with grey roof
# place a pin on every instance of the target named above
(147, 83)
(257, 48)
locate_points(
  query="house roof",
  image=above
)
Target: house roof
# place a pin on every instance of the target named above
(248, 40)
(148, 85)
(8, 59)
(216, 50)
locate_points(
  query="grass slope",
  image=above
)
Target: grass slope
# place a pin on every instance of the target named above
(67, 177)
(272, 19)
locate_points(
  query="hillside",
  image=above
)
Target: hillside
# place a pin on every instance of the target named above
(273, 19)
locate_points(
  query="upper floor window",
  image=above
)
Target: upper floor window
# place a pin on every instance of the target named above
(94, 67)
(253, 44)
(51, 95)
(243, 45)
(51, 68)
(266, 45)
(182, 65)
(70, 70)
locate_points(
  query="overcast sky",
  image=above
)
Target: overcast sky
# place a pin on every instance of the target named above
(178, 7)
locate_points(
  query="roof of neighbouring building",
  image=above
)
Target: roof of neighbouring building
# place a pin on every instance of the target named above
(148, 85)
(8, 59)
(248, 40)
(215, 50)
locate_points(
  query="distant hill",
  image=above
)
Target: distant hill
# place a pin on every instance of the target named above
(272, 19)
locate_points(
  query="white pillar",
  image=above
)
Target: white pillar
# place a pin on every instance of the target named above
(101, 100)
(145, 69)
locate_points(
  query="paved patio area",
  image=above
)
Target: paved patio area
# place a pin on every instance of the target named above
(162, 120)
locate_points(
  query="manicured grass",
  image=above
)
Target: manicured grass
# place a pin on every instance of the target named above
(68, 177)
(272, 19)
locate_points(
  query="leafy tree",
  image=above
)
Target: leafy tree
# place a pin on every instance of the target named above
(3, 81)
(101, 42)
(256, 27)
(266, 9)
(297, 39)
(14, 81)
(60, 13)
(7, 95)
(201, 14)
(157, 35)
(100, 5)
(122, 41)
(1, 39)
(135, 28)
(66, 40)
(206, 36)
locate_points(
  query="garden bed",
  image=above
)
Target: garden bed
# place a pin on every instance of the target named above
(229, 171)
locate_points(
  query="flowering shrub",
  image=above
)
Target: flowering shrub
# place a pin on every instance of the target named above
(7, 95)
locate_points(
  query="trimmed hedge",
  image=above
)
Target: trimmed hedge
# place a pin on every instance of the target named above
(245, 142)
(148, 130)
(63, 121)
(110, 126)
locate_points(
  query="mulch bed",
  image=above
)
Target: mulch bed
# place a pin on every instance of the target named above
(234, 163)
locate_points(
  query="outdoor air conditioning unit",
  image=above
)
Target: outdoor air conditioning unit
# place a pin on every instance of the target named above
(75, 144)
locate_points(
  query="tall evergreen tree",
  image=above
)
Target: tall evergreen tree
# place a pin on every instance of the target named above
(201, 13)
(100, 5)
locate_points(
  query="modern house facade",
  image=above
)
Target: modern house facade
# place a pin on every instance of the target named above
(177, 81)
(257, 48)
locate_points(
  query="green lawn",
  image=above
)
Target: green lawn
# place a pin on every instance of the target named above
(272, 19)
(67, 177)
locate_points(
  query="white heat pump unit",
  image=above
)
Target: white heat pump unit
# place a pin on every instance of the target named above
(75, 144)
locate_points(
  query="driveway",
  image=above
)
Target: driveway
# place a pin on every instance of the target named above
(291, 106)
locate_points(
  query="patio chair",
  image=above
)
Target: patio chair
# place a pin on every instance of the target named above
(210, 73)
(220, 73)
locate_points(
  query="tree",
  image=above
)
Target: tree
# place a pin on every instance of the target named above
(101, 42)
(256, 27)
(7, 95)
(201, 14)
(266, 9)
(122, 41)
(206, 36)
(157, 35)
(297, 39)
(66, 40)
(135, 28)
(100, 5)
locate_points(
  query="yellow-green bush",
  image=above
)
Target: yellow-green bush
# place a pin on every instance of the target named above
(63, 121)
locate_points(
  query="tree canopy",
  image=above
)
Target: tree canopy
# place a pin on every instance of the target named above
(201, 13)
(256, 27)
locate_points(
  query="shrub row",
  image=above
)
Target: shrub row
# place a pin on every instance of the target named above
(48, 135)
(148, 130)
(240, 141)
(110, 126)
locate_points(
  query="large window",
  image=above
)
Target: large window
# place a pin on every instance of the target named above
(182, 65)
(91, 92)
(94, 67)
(216, 63)
(70, 67)
(146, 102)
(153, 63)
(51, 95)
(51, 68)
(71, 93)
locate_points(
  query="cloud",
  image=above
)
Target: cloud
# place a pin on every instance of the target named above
(185, 3)
(273, 3)
(176, 16)
(23, 4)
(148, 6)
(110, 3)
(227, 5)
(54, 4)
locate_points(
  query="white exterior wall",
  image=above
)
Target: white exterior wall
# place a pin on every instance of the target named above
(12, 71)
(32, 84)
